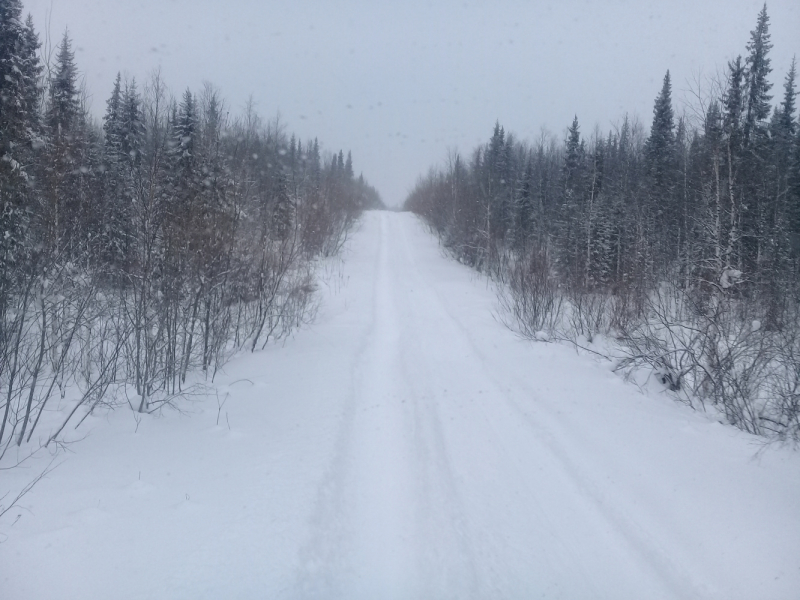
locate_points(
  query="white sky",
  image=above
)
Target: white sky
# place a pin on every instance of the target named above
(399, 82)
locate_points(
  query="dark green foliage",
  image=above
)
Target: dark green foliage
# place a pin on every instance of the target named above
(20, 137)
(757, 73)
(159, 243)
(573, 163)
(660, 149)
(625, 212)
(63, 109)
(283, 209)
(684, 244)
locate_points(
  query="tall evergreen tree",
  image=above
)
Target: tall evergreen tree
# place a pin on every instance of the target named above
(757, 205)
(185, 131)
(758, 69)
(348, 167)
(569, 219)
(61, 217)
(573, 171)
(794, 197)
(733, 100)
(283, 209)
(131, 126)
(20, 135)
(786, 125)
(525, 209)
(112, 122)
(63, 110)
(660, 147)
(495, 186)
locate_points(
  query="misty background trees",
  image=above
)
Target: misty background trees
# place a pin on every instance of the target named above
(683, 241)
(158, 242)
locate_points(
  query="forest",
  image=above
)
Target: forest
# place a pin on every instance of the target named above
(155, 244)
(680, 244)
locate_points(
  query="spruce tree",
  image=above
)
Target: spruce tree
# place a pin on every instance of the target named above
(569, 218)
(348, 167)
(282, 210)
(784, 133)
(525, 209)
(20, 72)
(757, 201)
(131, 126)
(757, 74)
(786, 126)
(63, 126)
(11, 83)
(185, 135)
(113, 176)
(112, 123)
(496, 184)
(733, 100)
(63, 109)
(660, 149)
(573, 171)
(794, 198)
(20, 137)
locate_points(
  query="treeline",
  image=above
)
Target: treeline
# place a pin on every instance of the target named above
(158, 243)
(683, 242)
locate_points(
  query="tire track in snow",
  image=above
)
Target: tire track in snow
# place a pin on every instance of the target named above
(388, 521)
(553, 438)
(447, 560)
(384, 493)
(324, 564)
(399, 514)
(494, 575)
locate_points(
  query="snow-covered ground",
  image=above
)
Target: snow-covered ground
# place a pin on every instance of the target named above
(407, 445)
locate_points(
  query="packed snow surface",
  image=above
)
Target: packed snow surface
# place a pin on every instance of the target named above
(407, 445)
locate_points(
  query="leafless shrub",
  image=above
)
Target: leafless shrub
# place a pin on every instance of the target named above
(529, 299)
(666, 339)
(716, 352)
(587, 314)
(784, 387)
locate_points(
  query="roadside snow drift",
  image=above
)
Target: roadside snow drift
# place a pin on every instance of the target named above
(407, 445)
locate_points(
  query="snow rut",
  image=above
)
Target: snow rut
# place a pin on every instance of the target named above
(388, 522)
(444, 486)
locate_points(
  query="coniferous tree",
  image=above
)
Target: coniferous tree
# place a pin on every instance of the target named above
(184, 137)
(20, 136)
(595, 223)
(348, 167)
(131, 126)
(112, 123)
(757, 77)
(569, 218)
(756, 211)
(283, 209)
(662, 220)
(113, 177)
(61, 214)
(794, 198)
(525, 210)
(732, 159)
(661, 143)
(779, 218)
(63, 110)
(573, 171)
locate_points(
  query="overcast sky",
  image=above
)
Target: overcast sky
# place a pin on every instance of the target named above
(399, 82)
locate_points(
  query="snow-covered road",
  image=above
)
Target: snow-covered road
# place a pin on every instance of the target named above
(407, 445)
